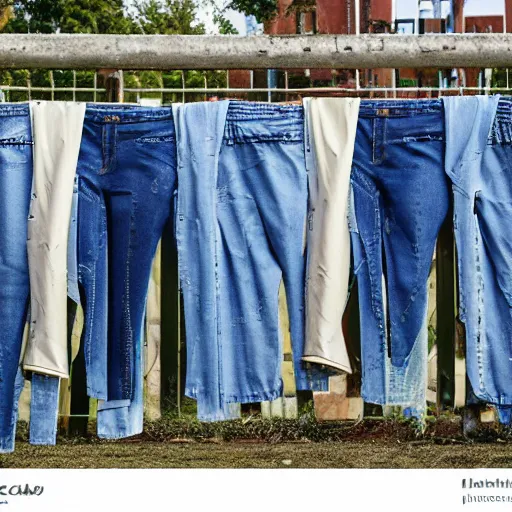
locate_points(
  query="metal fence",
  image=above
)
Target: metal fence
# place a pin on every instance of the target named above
(50, 61)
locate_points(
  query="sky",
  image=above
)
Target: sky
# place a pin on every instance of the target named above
(404, 8)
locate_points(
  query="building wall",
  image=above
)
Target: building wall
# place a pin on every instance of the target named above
(335, 16)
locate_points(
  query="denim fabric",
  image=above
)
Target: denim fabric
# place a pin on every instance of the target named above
(242, 202)
(127, 176)
(124, 418)
(399, 201)
(44, 409)
(15, 187)
(73, 291)
(478, 156)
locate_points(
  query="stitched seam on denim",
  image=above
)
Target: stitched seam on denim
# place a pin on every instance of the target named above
(416, 138)
(375, 303)
(417, 259)
(155, 139)
(127, 388)
(238, 142)
(480, 295)
(14, 141)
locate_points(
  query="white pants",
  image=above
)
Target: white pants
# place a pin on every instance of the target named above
(331, 125)
(57, 133)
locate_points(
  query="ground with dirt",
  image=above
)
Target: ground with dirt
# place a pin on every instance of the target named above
(254, 442)
(344, 454)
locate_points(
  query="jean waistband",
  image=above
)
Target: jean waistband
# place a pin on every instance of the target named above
(248, 122)
(126, 113)
(251, 111)
(399, 108)
(14, 109)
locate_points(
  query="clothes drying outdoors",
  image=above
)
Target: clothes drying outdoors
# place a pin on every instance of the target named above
(258, 193)
(400, 199)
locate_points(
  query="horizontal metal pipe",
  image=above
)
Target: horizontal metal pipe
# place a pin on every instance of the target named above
(86, 51)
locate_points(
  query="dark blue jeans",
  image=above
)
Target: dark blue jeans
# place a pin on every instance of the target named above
(15, 186)
(126, 180)
(400, 198)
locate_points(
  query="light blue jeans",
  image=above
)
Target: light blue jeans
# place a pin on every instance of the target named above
(478, 161)
(241, 212)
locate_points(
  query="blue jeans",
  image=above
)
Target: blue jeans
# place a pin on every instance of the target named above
(126, 178)
(241, 212)
(399, 201)
(478, 155)
(15, 186)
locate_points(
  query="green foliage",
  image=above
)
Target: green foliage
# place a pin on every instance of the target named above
(168, 17)
(34, 16)
(95, 17)
(225, 26)
(263, 10)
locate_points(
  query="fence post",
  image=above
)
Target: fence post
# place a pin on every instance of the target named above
(172, 375)
(114, 84)
(446, 314)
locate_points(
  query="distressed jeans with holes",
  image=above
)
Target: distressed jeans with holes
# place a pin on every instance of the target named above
(478, 161)
(127, 177)
(15, 186)
(399, 201)
(242, 203)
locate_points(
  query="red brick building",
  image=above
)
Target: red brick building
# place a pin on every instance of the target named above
(375, 16)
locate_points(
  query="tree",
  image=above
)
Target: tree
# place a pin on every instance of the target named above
(95, 17)
(167, 17)
(263, 10)
(33, 16)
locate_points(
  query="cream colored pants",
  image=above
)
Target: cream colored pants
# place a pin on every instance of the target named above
(331, 125)
(57, 132)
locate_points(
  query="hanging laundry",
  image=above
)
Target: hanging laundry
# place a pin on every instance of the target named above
(478, 154)
(399, 201)
(15, 183)
(57, 131)
(242, 204)
(126, 180)
(331, 125)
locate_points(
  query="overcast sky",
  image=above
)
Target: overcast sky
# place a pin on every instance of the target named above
(404, 8)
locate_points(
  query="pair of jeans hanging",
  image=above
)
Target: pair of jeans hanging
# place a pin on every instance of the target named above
(126, 181)
(240, 227)
(478, 155)
(399, 201)
(15, 186)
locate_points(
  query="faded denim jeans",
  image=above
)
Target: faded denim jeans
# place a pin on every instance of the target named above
(478, 161)
(240, 227)
(126, 180)
(400, 198)
(15, 187)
